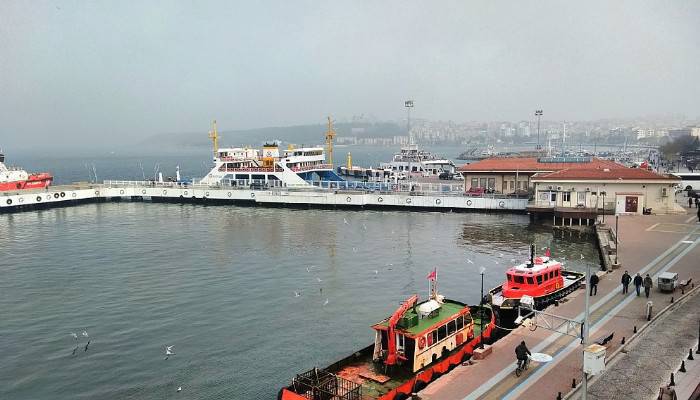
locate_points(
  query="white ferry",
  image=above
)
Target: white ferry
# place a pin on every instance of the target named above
(411, 159)
(269, 167)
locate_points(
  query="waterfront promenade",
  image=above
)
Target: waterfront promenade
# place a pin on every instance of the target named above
(647, 244)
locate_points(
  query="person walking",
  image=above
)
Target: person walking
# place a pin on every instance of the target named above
(697, 203)
(638, 282)
(626, 279)
(594, 285)
(648, 283)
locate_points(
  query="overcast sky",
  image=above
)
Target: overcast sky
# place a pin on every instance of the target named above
(116, 71)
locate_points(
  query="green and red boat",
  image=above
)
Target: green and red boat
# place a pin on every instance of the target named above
(418, 343)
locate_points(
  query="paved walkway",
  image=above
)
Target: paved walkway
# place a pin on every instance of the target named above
(647, 244)
(647, 362)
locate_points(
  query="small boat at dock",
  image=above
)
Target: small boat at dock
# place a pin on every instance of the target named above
(419, 342)
(542, 278)
(19, 179)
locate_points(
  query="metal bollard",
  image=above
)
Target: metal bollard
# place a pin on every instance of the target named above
(650, 305)
(671, 299)
(559, 396)
(673, 382)
(635, 329)
(682, 368)
(690, 354)
(623, 340)
(573, 384)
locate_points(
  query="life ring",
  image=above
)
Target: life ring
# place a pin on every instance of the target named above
(348, 199)
(38, 198)
(421, 342)
(165, 192)
(63, 194)
(55, 195)
(394, 186)
(438, 201)
(21, 199)
(408, 201)
(97, 192)
(228, 194)
(121, 191)
(380, 199)
(206, 194)
(9, 201)
(143, 191)
(185, 193)
(502, 204)
(469, 203)
(252, 195)
(73, 195)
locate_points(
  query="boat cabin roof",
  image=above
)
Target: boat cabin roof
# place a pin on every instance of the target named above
(541, 264)
(448, 310)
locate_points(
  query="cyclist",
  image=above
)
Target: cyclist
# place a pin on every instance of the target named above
(522, 353)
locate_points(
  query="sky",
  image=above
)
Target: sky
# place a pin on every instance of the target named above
(101, 73)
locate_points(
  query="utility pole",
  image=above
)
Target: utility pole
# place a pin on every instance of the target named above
(584, 339)
(538, 113)
(409, 105)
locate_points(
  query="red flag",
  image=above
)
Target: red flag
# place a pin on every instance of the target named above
(433, 275)
(547, 252)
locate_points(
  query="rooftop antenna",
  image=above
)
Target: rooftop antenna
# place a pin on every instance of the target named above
(330, 135)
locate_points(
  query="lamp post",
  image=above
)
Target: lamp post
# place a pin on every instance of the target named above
(603, 193)
(482, 270)
(584, 339)
(538, 113)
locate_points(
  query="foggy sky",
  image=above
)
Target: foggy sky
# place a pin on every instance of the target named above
(108, 72)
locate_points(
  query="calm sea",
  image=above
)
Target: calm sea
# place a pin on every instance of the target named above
(218, 283)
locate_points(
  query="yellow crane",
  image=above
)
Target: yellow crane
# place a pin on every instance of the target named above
(330, 135)
(214, 136)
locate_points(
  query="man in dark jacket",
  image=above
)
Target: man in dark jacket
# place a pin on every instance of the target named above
(648, 283)
(521, 352)
(626, 279)
(638, 282)
(594, 285)
(698, 214)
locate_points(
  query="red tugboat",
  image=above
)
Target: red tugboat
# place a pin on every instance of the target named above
(543, 278)
(415, 345)
(19, 179)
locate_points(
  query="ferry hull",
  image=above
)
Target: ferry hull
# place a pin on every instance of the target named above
(40, 181)
(418, 381)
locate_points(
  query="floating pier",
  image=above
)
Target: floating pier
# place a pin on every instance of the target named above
(348, 195)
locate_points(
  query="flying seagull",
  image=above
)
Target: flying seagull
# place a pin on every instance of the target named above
(582, 256)
(325, 302)
(297, 294)
(85, 334)
(345, 221)
(75, 336)
(319, 280)
(168, 352)
(470, 261)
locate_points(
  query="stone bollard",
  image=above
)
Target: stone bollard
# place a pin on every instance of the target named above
(673, 382)
(559, 396)
(573, 384)
(690, 354)
(682, 368)
(635, 329)
(623, 340)
(671, 299)
(650, 306)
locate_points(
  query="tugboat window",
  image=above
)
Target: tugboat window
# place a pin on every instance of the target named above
(451, 327)
(539, 279)
(518, 279)
(530, 281)
(442, 332)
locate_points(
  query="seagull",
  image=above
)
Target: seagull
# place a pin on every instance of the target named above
(345, 221)
(364, 226)
(354, 250)
(168, 352)
(297, 294)
(470, 261)
(86, 345)
(500, 255)
(179, 389)
(376, 272)
(308, 269)
(85, 334)
(582, 256)
(319, 280)
(325, 302)
(495, 261)
(75, 336)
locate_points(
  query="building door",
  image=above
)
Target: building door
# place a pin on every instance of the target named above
(631, 204)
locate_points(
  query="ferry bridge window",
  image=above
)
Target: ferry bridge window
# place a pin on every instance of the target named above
(518, 279)
(460, 322)
(442, 332)
(451, 327)
(539, 279)
(434, 335)
(530, 281)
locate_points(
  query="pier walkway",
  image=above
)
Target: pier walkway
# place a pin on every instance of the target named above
(647, 244)
(349, 195)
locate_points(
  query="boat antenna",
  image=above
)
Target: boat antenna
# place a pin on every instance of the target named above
(532, 255)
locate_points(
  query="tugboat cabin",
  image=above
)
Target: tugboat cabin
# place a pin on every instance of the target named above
(423, 332)
(540, 277)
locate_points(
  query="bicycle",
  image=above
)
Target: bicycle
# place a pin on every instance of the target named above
(522, 365)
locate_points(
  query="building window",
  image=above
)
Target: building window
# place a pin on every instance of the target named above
(581, 198)
(566, 196)
(482, 182)
(492, 183)
(475, 182)
(553, 197)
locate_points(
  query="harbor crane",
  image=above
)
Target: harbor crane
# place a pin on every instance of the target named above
(330, 135)
(214, 136)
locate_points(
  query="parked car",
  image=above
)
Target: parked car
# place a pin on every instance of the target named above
(445, 176)
(476, 191)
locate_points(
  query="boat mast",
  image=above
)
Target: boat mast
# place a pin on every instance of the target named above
(214, 136)
(330, 134)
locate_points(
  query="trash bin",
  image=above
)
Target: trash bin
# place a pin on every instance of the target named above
(667, 281)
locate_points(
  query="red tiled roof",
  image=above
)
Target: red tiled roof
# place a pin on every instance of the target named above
(602, 174)
(525, 164)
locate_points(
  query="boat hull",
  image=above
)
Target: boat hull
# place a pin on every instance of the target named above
(420, 379)
(38, 181)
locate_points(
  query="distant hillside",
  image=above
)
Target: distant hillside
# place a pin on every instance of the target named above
(300, 134)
